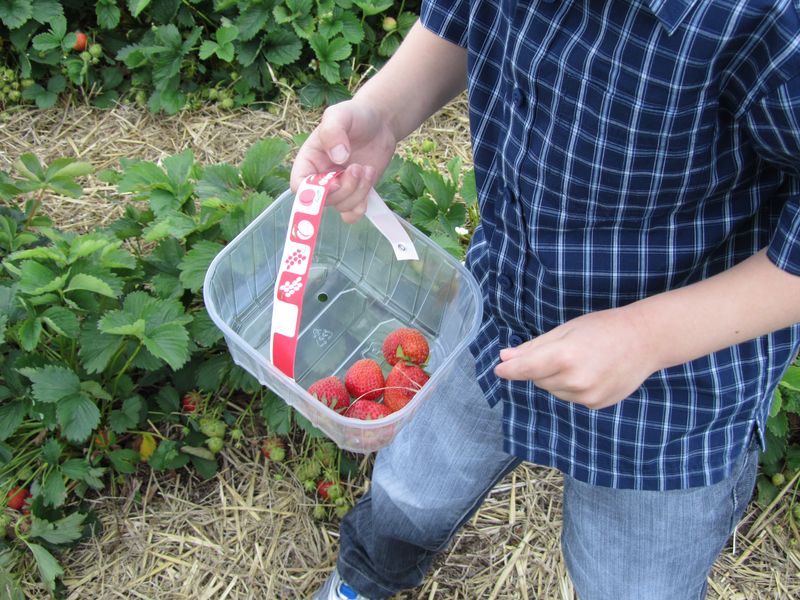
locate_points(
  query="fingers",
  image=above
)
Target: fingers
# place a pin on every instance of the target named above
(333, 133)
(528, 361)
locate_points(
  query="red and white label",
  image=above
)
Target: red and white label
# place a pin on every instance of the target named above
(298, 252)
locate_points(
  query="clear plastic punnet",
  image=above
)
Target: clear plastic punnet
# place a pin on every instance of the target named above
(356, 294)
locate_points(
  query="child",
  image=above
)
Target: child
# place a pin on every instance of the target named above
(638, 175)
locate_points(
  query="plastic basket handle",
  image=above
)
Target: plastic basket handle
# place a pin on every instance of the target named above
(298, 253)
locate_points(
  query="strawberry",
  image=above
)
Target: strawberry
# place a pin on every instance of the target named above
(402, 384)
(366, 410)
(17, 497)
(190, 401)
(405, 344)
(331, 392)
(80, 41)
(364, 380)
(274, 449)
(328, 490)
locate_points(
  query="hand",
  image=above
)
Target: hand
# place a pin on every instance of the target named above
(597, 359)
(351, 136)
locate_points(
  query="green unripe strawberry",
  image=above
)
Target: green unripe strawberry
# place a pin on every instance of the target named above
(213, 427)
(341, 510)
(26, 83)
(796, 512)
(428, 146)
(215, 444)
(319, 512)
(389, 24)
(85, 56)
(778, 479)
(227, 103)
(96, 50)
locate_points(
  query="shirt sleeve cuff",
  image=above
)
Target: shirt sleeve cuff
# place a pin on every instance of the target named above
(784, 248)
(447, 19)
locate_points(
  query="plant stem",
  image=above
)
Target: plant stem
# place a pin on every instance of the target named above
(125, 367)
(37, 202)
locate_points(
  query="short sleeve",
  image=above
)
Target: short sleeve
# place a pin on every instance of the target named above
(447, 18)
(774, 126)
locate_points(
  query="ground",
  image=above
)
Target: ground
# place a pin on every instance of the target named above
(249, 533)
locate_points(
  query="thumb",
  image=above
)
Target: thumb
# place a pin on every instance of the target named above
(333, 133)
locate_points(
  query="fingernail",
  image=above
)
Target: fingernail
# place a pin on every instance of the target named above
(339, 154)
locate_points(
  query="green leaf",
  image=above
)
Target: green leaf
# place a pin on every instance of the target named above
(14, 13)
(54, 491)
(220, 181)
(29, 167)
(124, 460)
(67, 168)
(167, 456)
(195, 264)
(75, 468)
(78, 417)
(282, 47)
(119, 323)
(48, 566)
(52, 383)
(207, 49)
(170, 343)
(137, 6)
(89, 283)
(51, 452)
(352, 31)
(30, 331)
(62, 321)
(108, 14)
(252, 20)
(373, 7)
(129, 416)
(11, 416)
(778, 425)
(177, 225)
(442, 191)
(203, 330)
(261, 159)
(36, 279)
(64, 530)
(96, 349)
(791, 378)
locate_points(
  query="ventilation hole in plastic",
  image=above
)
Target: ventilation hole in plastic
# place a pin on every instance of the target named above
(322, 297)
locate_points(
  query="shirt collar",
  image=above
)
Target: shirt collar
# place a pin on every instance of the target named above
(670, 12)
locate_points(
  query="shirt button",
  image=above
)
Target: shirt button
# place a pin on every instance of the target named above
(518, 98)
(515, 340)
(504, 281)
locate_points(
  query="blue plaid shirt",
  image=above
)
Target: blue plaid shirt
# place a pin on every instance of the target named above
(623, 148)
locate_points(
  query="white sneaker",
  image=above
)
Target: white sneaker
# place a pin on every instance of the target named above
(336, 589)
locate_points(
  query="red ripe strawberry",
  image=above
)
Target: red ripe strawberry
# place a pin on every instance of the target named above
(190, 401)
(407, 344)
(364, 380)
(402, 383)
(366, 410)
(331, 392)
(80, 41)
(329, 490)
(17, 497)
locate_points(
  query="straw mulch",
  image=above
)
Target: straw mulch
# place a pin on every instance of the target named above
(249, 533)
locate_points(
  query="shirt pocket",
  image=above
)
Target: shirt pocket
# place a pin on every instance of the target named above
(631, 150)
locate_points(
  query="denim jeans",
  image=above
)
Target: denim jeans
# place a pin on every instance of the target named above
(617, 544)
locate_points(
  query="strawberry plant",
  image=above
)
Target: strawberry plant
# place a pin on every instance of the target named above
(108, 360)
(170, 55)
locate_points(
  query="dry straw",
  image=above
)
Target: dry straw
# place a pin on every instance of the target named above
(248, 533)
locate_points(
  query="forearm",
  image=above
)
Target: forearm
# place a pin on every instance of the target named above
(751, 299)
(424, 73)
